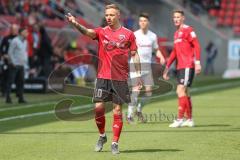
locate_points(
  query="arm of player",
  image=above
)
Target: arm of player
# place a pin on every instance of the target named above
(169, 63)
(137, 65)
(196, 47)
(88, 32)
(11, 51)
(160, 56)
(157, 51)
(197, 52)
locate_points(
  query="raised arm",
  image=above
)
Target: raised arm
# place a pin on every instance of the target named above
(88, 32)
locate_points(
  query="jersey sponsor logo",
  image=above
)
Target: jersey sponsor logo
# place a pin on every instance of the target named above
(180, 34)
(178, 40)
(121, 37)
(121, 44)
(144, 45)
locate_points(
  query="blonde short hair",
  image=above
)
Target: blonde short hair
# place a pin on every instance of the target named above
(179, 11)
(112, 6)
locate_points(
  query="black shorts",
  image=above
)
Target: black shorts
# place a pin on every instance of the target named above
(111, 90)
(185, 76)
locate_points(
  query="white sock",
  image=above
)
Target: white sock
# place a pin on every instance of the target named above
(130, 111)
(114, 143)
(139, 108)
(102, 135)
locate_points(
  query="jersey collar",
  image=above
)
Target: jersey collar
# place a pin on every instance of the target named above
(115, 29)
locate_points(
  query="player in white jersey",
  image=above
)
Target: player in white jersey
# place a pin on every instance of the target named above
(147, 43)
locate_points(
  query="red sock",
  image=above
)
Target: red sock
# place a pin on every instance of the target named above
(182, 103)
(100, 119)
(117, 126)
(189, 108)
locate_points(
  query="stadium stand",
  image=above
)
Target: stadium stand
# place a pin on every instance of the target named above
(225, 12)
(49, 14)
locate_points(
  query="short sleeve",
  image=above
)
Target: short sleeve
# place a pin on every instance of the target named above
(191, 35)
(97, 30)
(132, 40)
(155, 42)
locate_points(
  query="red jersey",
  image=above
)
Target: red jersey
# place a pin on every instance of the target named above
(113, 52)
(186, 48)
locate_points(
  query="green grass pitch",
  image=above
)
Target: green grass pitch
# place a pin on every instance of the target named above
(42, 137)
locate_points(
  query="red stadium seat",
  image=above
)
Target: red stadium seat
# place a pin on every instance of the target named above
(237, 14)
(213, 12)
(228, 21)
(10, 19)
(222, 13)
(220, 21)
(230, 13)
(236, 31)
(236, 22)
(237, 6)
(232, 1)
(231, 6)
(223, 5)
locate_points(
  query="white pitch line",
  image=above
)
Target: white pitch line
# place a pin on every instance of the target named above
(26, 106)
(42, 113)
(89, 105)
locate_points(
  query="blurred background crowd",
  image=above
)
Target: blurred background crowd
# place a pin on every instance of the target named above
(53, 44)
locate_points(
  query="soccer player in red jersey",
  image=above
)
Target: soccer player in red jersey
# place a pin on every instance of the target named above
(115, 42)
(186, 52)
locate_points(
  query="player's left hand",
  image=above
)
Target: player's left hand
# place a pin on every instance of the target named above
(198, 68)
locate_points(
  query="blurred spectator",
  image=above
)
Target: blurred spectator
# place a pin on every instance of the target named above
(197, 7)
(2, 8)
(42, 56)
(184, 2)
(72, 5)
(45, 52)
(129, 22)
(212, 52)
(210, 4)
(18, 63)
(4, 56)
(79, 60)
(45, 8)
(33, 46)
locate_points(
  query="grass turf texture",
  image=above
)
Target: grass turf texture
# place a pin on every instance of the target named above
(216, 135)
